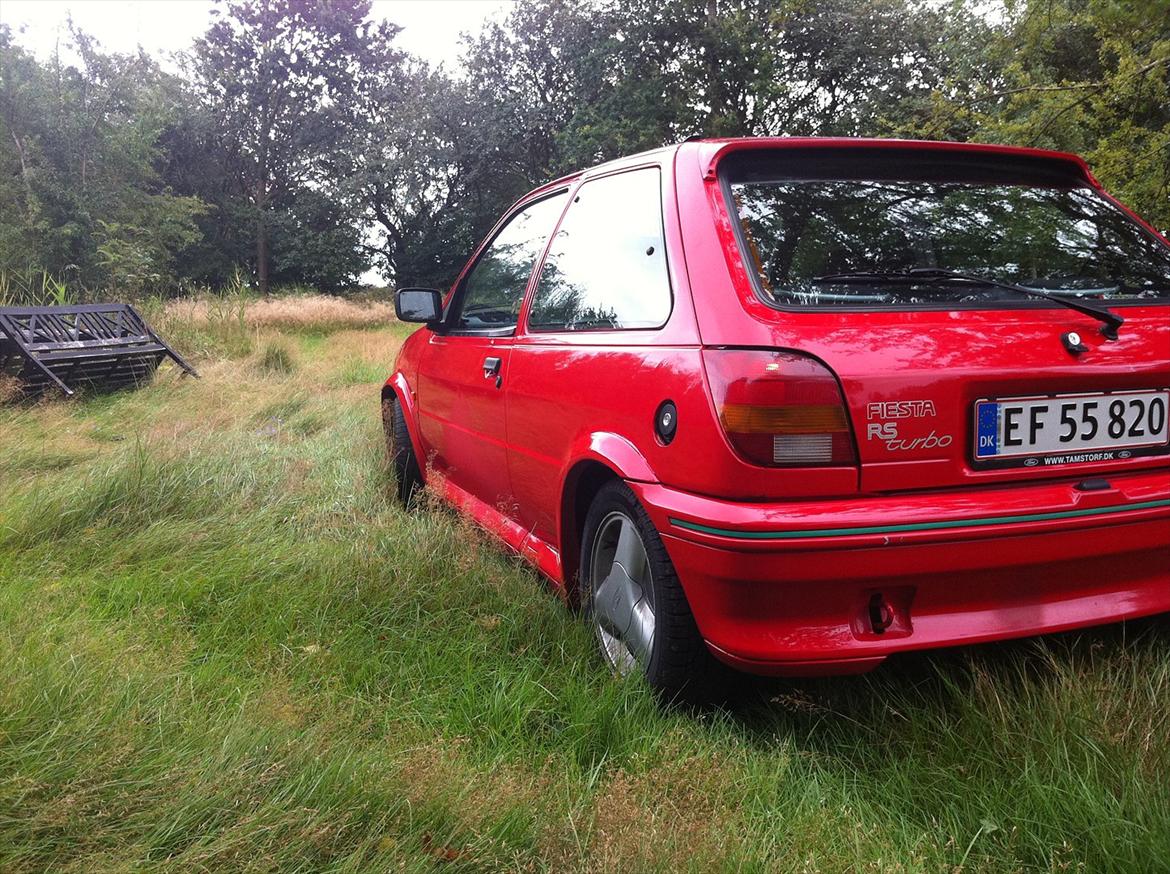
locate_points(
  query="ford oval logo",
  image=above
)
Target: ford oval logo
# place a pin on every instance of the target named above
(1125, 453)
(1032, 462)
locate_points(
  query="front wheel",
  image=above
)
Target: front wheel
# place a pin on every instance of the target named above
(407, 475)
(632, 598)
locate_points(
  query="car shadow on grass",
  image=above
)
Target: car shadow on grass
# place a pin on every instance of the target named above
(946, 682)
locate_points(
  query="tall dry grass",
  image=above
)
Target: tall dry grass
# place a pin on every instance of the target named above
(313, 312)
(233, 324)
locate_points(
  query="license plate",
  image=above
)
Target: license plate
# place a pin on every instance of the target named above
(1070, 429)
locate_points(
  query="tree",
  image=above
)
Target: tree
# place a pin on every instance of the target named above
(316, 242)
(303, 142)
(533, 73)
(1087, 76)
(79, 142)
(285, 80)
(432, 173)
(575, 83)
(761, 68)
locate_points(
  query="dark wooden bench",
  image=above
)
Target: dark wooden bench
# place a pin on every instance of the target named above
(102, 345)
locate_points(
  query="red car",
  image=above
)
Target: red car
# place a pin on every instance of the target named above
(799, 404)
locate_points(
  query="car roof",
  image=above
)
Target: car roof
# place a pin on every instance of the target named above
(709, 151)
(643, 157)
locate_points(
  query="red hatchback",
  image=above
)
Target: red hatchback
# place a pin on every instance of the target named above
(799, 404)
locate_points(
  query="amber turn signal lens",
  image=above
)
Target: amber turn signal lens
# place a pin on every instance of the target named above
(811, 419)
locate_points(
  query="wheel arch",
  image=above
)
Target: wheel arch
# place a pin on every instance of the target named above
(601, 457)
(397, 387)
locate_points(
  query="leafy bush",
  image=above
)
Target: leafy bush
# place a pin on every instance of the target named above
(33, 288)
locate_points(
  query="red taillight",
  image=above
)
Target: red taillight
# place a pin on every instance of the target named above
(779, 409)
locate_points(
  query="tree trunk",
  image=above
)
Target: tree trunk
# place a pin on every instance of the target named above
(24, 174)
(262, 237)
(716, 90)
(262, 253)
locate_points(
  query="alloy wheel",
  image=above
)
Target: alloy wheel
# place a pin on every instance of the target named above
(622, 594)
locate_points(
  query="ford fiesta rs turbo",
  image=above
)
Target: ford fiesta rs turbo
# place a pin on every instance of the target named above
(795, 405)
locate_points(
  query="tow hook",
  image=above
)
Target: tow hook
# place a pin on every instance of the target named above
(881, 614)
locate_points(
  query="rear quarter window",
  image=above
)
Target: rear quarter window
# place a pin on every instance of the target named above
(606, 266)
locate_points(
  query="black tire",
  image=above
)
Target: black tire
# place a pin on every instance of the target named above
(680, 667)
(399, 449)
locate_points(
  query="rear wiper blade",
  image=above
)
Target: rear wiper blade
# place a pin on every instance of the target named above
(1111, 321)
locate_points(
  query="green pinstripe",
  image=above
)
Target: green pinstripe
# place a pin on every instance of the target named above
(915, 526)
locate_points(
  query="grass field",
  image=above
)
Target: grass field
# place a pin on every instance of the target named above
(223, 648)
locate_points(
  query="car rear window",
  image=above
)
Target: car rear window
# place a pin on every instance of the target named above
(806, 218)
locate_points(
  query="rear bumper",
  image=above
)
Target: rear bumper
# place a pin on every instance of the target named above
(795, 588)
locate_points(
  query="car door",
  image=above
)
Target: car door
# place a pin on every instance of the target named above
(594, 358)
(465, 366)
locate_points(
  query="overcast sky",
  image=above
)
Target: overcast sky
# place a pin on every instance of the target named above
(431, 28)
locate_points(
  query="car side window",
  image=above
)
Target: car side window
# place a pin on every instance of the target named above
(492, 291)
(606, 267)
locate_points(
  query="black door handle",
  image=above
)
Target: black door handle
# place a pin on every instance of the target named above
(491, 367)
